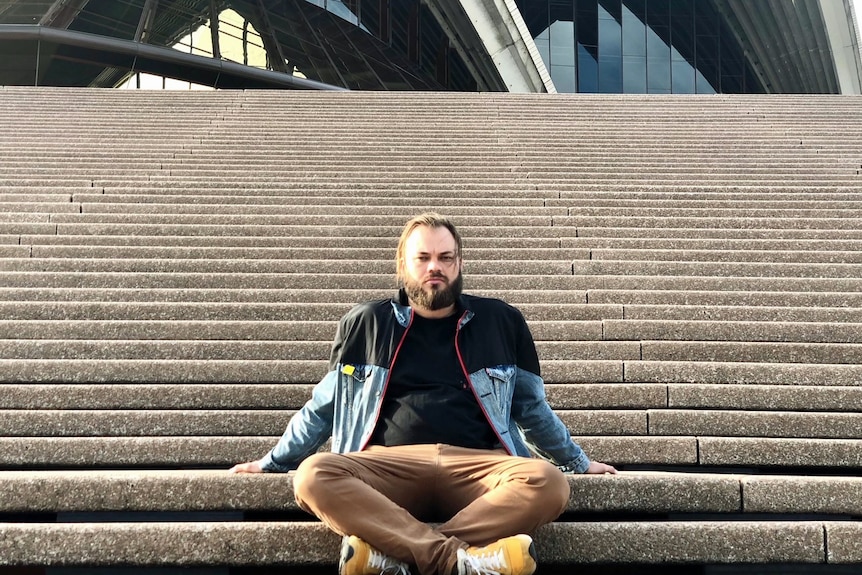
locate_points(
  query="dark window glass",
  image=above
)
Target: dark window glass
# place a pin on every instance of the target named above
(369, 16)
(587, 36)
(20, 59)
(588, 69)
(702, 85)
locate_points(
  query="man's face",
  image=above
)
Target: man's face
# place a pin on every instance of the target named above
(431, 268)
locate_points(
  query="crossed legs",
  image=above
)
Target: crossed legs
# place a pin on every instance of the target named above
(386, 496)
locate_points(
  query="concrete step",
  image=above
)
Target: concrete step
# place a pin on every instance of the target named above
(753, 424)
(236, 265)
(172, 396)
(564, 396)
(720, 222)
(629, 492)
(800, 398)
(359, 255)
(708, 452)
(724, 298)
(265, 280)
(312, 350)
(243, 311)
(688, 452)
(607, 423)
(310, 371)
(742, 350)
(711, 255)
(738, 334)
(257, 330)
(382, 245)
(263, 543)
(284, 296)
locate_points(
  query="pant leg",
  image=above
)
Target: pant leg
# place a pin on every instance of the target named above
(377, 495)
(491, 495)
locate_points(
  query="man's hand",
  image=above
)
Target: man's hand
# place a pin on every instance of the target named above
(249, 467)
(599, 468)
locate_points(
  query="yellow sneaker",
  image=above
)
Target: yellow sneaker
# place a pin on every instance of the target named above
(514, 555)
(360, 558)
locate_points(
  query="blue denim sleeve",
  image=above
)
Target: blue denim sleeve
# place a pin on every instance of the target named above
(307, 430)
(542, 428)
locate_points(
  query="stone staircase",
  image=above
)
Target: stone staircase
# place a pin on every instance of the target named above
(173, 265)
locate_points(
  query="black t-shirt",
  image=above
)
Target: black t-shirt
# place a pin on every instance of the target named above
(428, 399)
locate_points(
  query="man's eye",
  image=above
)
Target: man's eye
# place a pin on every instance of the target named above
(447, 259)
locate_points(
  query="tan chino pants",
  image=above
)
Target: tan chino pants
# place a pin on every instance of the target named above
(387, 496)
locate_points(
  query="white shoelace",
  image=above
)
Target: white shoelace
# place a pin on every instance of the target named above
(387, 564)
(487, 564)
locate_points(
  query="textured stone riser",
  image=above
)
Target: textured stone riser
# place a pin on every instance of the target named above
(675, 422)
(361, 256)
(790, 398)
(272, 543)
(314, 312)
(153, 280)
(705, 453)
(477, 169)
(216, 490)
(514, 296)
(740, 348)
(37, 225)
(310, 371)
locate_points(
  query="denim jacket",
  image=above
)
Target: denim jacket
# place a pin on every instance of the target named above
(496, 352)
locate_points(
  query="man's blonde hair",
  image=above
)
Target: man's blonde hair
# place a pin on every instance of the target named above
(431, 220)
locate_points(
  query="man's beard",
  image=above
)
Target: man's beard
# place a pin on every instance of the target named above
(434, 299)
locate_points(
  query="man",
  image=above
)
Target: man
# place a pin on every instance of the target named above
(429, 400)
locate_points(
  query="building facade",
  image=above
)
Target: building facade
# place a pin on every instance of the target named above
(607, 46)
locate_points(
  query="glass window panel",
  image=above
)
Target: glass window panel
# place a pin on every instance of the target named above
(634, 75)
(369, 16)
(658, 75)
(683, 77)
(610, 10)
(682, 7)
(587, 20)
(682, 38)
(564, 78)
(119, 19)
(658, 13)
(29, 12)
(588, 69)
(19, 59)
(702, 84)
(636, 8)
(610, 38)
(562, 42)
(634, 31)
(543, 45)
(610, 75)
